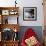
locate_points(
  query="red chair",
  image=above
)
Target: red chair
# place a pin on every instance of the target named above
(29, 33)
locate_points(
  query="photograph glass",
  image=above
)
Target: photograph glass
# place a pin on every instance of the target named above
(30, 13)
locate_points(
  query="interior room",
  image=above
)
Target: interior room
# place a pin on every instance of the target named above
(22, 23)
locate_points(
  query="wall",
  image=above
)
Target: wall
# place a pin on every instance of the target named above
(30, 3)
(27, 3)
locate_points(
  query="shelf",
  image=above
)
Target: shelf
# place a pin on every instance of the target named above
(9, 20)
(11, 41)
(6, 12)
(10, 26)
(2, 8)
(9, 10)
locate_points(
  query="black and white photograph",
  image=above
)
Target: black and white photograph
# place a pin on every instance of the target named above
(29, 13)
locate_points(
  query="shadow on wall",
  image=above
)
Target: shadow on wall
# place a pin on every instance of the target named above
(37, 29)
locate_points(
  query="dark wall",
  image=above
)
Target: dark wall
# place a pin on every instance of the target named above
(37, 29)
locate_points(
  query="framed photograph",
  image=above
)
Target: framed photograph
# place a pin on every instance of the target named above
(5, 12)
(12, 12)
(29, 13)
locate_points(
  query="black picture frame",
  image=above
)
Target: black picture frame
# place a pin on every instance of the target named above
(29, 13)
